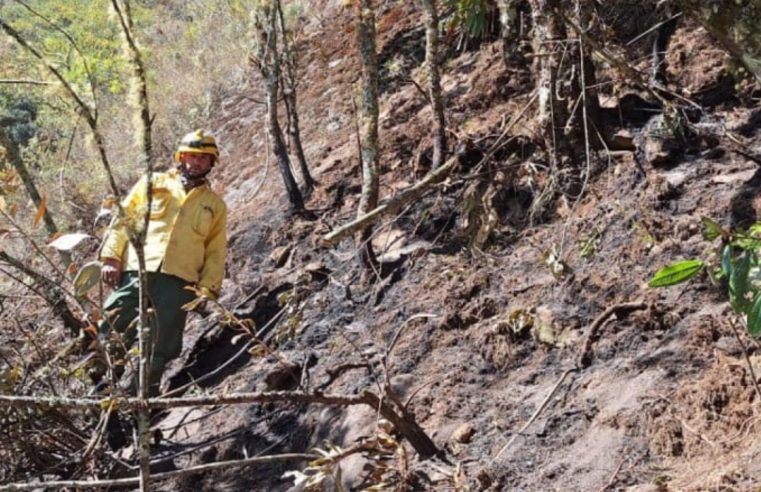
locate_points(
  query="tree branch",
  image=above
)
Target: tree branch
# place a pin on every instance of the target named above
(24, 81)
(402, 420)
(121, 482)
(396, 203)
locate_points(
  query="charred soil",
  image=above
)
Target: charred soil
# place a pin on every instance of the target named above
(484, 331)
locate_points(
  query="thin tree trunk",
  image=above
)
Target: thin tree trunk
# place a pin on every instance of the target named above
(509, 18)
(557, 72)
(13, 155)
(265, 31)
(369, 125)
(145, 342)
(434, 81)
(290, 96)
(90, 114)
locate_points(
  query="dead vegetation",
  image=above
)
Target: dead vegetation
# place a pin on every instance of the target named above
(506, 327)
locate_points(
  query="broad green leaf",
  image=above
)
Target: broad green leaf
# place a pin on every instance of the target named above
(739, 285)
(676, 273)
(711, 229)
(754, 317)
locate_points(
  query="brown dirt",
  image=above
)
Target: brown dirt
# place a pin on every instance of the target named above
(667, 402)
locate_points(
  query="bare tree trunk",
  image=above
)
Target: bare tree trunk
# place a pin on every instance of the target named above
(13, 155)
(369, 129)
(268, 62)
(547, 32)
(434, 81)
(735, 25)
(145, 342)
(509, 18)
(563, 74)
(290, 96)
(584, 83)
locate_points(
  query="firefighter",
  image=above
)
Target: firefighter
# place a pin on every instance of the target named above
(185, 246)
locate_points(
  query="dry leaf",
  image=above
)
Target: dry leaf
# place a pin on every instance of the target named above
(87, 278)
(67, 242)
(41, 209)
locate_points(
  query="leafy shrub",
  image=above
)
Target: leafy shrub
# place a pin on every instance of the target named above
(735, 264)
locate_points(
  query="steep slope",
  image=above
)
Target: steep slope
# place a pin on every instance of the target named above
(482, 342)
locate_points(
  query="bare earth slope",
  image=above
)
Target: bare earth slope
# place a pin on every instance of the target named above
(665, 401)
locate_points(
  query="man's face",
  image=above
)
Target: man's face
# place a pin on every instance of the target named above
(196, 164)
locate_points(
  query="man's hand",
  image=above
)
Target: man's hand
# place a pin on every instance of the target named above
(111, 272)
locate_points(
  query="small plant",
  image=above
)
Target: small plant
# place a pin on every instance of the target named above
(735, 264)
(589, 243)
(553, 259)
(472, 20)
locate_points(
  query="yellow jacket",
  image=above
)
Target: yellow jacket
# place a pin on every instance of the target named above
(186, 234)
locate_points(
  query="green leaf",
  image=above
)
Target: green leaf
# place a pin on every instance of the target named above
(726, 260)
(747, 243)
(755, 230)
(711, 229)
(738, 284)
(754, 317)
(676, 273)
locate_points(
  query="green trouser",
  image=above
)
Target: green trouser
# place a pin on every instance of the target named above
(166, 296)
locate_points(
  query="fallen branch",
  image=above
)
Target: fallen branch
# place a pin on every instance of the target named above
(417, 190)
(535, 415)
(120, 482)
(24, 81)
(585, 357)
(400, 418)
(583, 361)
(612, 480)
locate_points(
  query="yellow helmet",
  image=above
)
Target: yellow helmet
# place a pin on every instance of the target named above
(197, 142)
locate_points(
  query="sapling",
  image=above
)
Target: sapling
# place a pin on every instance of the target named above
(734, 264)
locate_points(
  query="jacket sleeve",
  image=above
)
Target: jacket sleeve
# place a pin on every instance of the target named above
(117, 238)
(213, 271)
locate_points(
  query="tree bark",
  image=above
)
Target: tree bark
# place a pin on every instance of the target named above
(563, 74)
(509, 18)
(546, 31)
(369, 125)
(144, 136)
(290, 96)
(268, 61)
(434, 81)
(735, 25)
